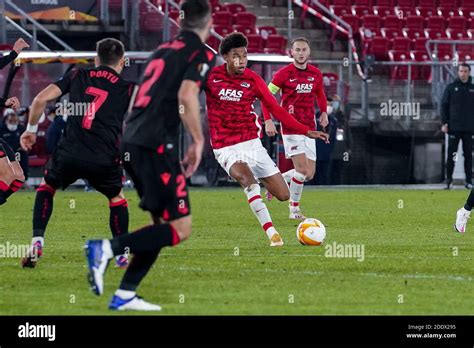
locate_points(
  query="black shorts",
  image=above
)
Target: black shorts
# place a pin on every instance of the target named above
(8, 150)
(62, 171)
(159, 181)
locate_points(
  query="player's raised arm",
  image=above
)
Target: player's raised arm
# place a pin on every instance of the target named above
(270, 128)
(50, 93)
(269, 101)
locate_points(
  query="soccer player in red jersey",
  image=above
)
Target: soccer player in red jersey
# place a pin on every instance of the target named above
(235, 129)
(301, 85)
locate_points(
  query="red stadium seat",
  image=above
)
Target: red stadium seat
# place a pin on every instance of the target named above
(419, 44)
(265, 31)
(223, 30)
(394, 22)
(361, 10)
(426, 11)
(245, 18)
(235, 8)
(427, 3)
(457, 22)
(213, 42)
(422, 72)
(466, 12)
(346, 3)
(255, 43)
(371, 22)
(219, 8)
(436, 22)
(447, 11)
(435, 34)
(406, 3)
(387, 3)
(457, 34)
(413, 33)
(362, 2)
(391, 33)
(244, 29)
(399, 72)
(222, 18)
(405, 11)
(340, 10)
(467, 3)
(401, 44)
(415, 22)
(383, 11)
(379, 47)
(276, 43)
(448, 3)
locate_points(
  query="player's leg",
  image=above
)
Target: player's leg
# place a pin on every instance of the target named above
(18, 176)
(300, 175)
(242, 173)
(7, 175)
(60, 172)
(108, 181)
(467, 151)
(453, 142)
(464, 214)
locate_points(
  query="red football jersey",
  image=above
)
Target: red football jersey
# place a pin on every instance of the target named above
(230, 110)
(300, 89)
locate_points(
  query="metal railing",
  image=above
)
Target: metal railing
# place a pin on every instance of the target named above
(37, 26)
(35, 43)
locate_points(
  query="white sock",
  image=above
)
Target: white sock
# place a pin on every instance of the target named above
(465, 211)
(288, 175)
(125, 294)
(296, 188)
(107, 248)
(37, 239)
(260, 209)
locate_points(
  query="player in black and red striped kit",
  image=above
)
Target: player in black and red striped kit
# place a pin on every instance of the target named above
(11, 174)
(89, 146)
(168, 95)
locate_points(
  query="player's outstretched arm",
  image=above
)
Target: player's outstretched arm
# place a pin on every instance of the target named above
(270, 128)
(189, 111)
(50, 93)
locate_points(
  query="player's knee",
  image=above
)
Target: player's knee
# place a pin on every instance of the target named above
(183, 228)
(244, 179)
(304, 170)
(19, 175)
(283, 196)
(6, 174)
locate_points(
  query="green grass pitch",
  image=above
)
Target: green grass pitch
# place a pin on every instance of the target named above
(414, 262)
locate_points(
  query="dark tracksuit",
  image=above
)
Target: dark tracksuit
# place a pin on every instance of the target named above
(457, 110)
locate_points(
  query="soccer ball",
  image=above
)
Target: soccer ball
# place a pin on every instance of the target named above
(311, 232)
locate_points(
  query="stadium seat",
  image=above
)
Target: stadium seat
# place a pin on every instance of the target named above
(427, 3)
(223, 30)
(426, 11)
(265, 31)
(219, 8)
(401, 44)
(399, 72)
(379, 47)
(394, 22)
(391, 33)
(466, 12)
(362, 2)
(467, 3)
(405, 11)
(235, 8)
(406, 3)
(244, 29)
(435, 34)
(415, 22)
(340, 10)
(448, 3)
(361, 10)
(353, 21)
(213, 42)
(422, 72)
(386, 3)
(245, 18)
(371, 22)
(275, 43)
(383, 11)
(457, 34)
(457, 22)
(436, 22)
(413, 33)
(255, 43)
(419, 44)
(346, 3)
(222, 18)
(447, 11)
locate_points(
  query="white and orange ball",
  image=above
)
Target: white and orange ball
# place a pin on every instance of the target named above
(311, 232)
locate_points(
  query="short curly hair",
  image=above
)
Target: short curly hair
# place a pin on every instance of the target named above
(233, 40)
